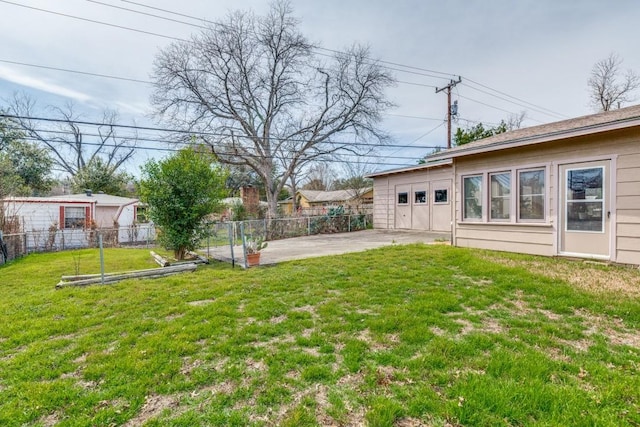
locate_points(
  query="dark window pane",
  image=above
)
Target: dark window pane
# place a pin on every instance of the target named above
(441, 196)
(403, 198)
(420, 197)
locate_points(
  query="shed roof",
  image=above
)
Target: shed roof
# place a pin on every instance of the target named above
(99, 199)
(333, 196)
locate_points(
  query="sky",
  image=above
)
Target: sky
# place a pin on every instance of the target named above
(512, 56)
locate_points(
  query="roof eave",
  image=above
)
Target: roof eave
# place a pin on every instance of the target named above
(537, 139)
(428, 165)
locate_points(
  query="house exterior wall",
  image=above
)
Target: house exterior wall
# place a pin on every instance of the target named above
(37, 217)
(40, 215)
(384, 195)
(620, 149)
(105, 216)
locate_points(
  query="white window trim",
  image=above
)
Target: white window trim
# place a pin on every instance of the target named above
(426, 197)
(601, 200)
(483, 214)
(545, 209)
(448, 196)
(398, 198)
(515, 196)
(490, 197)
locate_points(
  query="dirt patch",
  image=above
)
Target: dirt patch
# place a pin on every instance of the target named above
(225, 387)
(590, 277)
(613, 328)
(437, 331)
(278, 319)
(256, 365)
(306, 308)
(174, 316)
(467, 327)
(201, 302)
(153, 406)
(49, 420)
(189, 365)
(472, 280)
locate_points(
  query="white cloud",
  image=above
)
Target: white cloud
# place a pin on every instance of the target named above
(41, 84)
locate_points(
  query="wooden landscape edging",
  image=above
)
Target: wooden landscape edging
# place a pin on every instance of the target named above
(91, 279)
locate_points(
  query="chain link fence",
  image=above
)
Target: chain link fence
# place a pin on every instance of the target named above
(218, 234)
(15, 245)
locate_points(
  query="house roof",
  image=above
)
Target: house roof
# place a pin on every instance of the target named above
(98, 199)
(428, 165)
(579, 126)
(314, 196)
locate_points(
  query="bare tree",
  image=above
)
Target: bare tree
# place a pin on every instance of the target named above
(319, 177)
(256, 90)
(514, 121)
(609, 86)
(354, 177)
(74, 146)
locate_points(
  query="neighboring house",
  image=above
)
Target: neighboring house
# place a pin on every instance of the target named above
(569, 188)
(312, 202)
(70, 213)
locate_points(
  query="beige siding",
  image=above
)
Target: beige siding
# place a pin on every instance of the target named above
(495, 245)
(526, 239)
(384, 195)
(622, 147)
(628, 206)
(380, 202)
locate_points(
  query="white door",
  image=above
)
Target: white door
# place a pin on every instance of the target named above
(441, 205)
(403, 206)
(420, 206)
(585, 207)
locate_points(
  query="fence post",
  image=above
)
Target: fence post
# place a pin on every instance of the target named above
(349, 219)
(244, 244)
(308, 226)
(208, 238)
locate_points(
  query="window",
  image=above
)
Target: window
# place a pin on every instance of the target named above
(441, 196)
(74, 217)
(531, 195)
(500, 195)
(142, 215)
(585, 202)
(420, 197)
(403, 198)
(472, 197)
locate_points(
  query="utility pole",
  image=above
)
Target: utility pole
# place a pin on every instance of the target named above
(448, 88)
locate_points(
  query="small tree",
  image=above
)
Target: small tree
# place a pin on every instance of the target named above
(181, 191)
(474, 133)
(609, 86)
(98, 176)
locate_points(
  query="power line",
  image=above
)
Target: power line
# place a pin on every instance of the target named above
(422, 71)
(254, 156)
(93, 21)
(554, 115)
(513, 97)
(494, 107)
(179, 131)
(68, 70)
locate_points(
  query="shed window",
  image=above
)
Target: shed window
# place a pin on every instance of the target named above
(74, 217)
(531, 195)
(500, 195)
(441, 196)
(420, 197)
(403, 198)
(472, 197)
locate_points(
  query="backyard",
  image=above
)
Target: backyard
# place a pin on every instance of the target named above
(406, 335)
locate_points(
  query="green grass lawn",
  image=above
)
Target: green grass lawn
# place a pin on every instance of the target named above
(405, 335)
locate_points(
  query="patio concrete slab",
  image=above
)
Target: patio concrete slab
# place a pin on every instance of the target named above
(330, 244)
